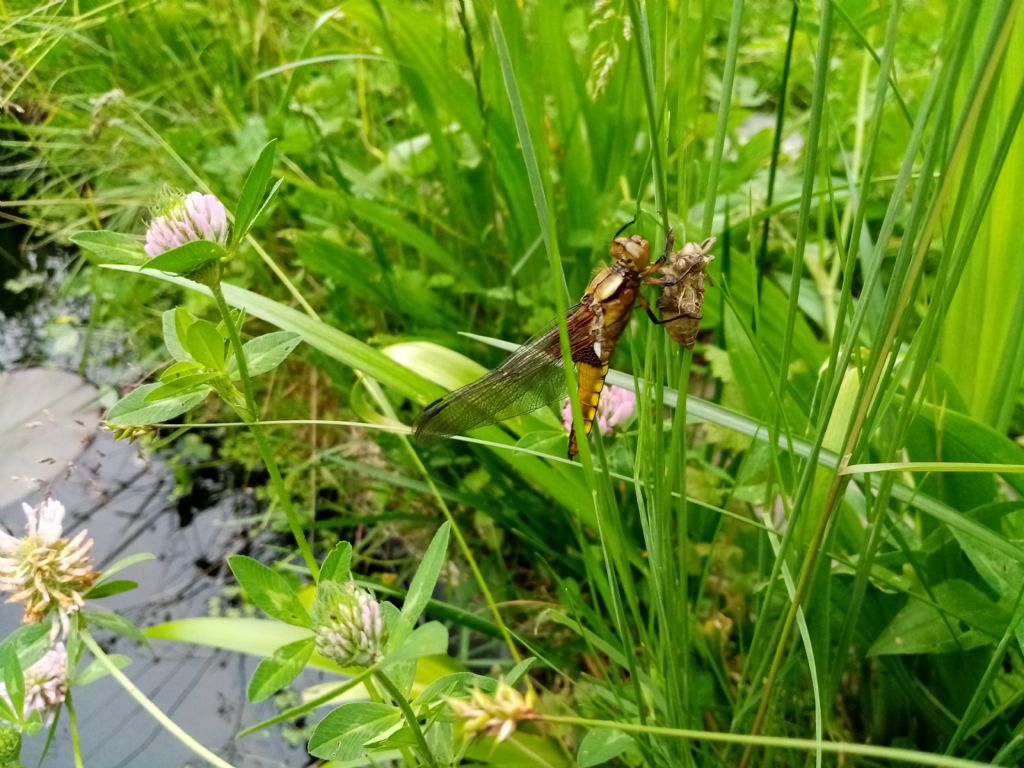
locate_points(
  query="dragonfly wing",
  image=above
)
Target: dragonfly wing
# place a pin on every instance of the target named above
(529, 379)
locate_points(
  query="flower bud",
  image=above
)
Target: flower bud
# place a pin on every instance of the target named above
(186, 218)
(347, 624)
(10, 746)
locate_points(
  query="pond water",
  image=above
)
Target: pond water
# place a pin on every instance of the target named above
(122, 497)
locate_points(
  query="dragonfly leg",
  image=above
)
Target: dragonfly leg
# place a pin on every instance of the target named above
(670, 240)
(625, 226)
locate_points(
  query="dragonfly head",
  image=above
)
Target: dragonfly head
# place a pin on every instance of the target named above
(632, 253)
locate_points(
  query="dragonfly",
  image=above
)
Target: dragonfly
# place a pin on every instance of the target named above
(682, 297)
(533, 376)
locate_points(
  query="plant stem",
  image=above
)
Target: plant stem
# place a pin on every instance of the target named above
(172, 727)
(891, 754)
(251, 417)
(410, 716)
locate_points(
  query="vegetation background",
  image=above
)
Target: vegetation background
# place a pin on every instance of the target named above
(823, 540)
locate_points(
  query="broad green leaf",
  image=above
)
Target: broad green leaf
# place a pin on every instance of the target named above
(252, 197)
(187, 258)
(976, 442)
(206, 345)
(105, 246)
(968, 619)
(258, 637)
(423, 582)
(134, 410)
(337, 563)
(265, 353)
(281, 668)
(269, 591)
(175, 321)
(342, 734)
(108, 588)
(600, 745)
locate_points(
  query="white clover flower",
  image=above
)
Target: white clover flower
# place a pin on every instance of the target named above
(616, 407)
(43, 569)
(186, 218)
(497, 714)
(46, 683)
(348, 627)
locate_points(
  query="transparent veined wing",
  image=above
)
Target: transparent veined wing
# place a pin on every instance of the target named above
(530, 378)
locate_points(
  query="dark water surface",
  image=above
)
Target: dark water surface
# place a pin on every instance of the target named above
(122, 498)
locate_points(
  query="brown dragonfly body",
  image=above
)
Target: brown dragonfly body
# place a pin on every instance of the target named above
(682, 298)
(533, 375)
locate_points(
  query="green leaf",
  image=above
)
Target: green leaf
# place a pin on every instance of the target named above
(601, 745)
(250, 202)
(337, 563)
(265, 353)
(135, 410)
(258, 637)
(206, 345)
(423, 583)
(514, 675)
(967, 619)
(175, 322)
(430, 639)
(108, 588)
(187, 258)
(275, 673)
(270, 591)
(14, 678)
(97, 671)
(126, 562)
(105, 246)
(342, 734)
(179, 370)
(455, 684)
(115, 623)
(182, 386)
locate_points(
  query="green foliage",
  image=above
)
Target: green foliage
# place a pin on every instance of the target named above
(269, 591)
(736, 561)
